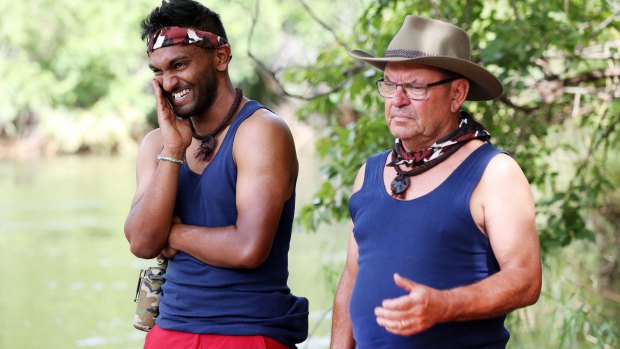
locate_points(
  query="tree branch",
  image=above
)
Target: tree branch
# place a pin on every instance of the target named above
(273, 74)
(552, 86)
(593, 76)
(596, 51)
(613, 18)
(504, 99)
(322, 24)
(513, 4)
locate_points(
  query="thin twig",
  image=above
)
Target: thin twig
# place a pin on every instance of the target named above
(513, 4)
(323, 24)
(613, 18)
(504, 99)
(273, 74)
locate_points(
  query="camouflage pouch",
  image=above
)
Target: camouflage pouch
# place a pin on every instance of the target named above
(147, 296)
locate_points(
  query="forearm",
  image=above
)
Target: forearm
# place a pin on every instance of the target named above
(342, 329)
(496, 295)
(150, 217)
(224, 247)
(503, 206)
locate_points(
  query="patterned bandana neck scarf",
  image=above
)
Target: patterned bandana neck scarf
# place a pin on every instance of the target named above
(425, 159)
(170, 36)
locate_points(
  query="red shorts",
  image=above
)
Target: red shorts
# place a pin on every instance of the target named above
(158, 338)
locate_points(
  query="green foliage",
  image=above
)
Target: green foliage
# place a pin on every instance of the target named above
(74, 73)
(559, 116)
(73, 66)
(574, 311)
(539, 50)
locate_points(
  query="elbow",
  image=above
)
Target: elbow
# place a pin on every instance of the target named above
(535, 292)
(144, 252)
(253, 257)
(141, 247)
(532, 293)
(251, 262)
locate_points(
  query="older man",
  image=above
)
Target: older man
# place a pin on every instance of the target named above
(444, 242)
(216, 192)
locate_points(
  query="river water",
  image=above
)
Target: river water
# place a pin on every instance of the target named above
(68, 276)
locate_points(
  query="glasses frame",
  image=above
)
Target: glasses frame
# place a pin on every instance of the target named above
(404, 86)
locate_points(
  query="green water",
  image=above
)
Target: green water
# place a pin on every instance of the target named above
(68, 278)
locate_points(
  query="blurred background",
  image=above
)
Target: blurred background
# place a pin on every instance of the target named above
(77, 101)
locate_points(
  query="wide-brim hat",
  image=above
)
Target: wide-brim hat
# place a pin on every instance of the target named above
(437, 44)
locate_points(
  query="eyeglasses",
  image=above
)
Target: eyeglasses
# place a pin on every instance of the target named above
(412, 90)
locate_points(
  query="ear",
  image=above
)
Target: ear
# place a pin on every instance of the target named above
(459, 91)
(222, 57)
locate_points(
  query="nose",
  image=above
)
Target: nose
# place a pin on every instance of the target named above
(167, 81)
(400, 99)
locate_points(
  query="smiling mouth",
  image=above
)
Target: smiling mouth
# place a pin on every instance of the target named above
(177, 96)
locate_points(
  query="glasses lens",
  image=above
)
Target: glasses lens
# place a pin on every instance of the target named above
(414, 92)
(386, 89)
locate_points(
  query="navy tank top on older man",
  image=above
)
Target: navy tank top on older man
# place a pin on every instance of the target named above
(432, 240)
(201, 298)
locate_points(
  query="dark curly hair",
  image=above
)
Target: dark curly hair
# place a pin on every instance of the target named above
(182, 13)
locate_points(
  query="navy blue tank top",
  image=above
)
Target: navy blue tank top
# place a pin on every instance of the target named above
(432, 240)
(201, 298)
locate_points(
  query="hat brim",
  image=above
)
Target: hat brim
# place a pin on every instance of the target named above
(483, 86)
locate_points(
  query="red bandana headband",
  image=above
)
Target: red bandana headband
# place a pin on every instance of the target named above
(170, 36)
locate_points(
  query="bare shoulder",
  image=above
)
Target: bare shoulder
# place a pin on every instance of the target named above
(264, 120)
(502, 181)
(503, 169)
(502, 195)
(265, 155)
(264, 132)
(151, 142)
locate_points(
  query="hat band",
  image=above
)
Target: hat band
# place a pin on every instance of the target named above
(406, 54)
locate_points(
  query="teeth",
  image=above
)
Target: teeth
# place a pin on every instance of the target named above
(180, 94)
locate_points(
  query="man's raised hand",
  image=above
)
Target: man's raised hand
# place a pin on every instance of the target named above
(176, 133)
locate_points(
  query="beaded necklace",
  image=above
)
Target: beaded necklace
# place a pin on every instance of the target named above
(207, 142)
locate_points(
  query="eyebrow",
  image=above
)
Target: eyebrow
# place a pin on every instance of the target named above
(387, 78)
(170, 62)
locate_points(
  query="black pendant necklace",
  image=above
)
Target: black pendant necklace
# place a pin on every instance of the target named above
(207, 142)
(400, 183)
(425, 159)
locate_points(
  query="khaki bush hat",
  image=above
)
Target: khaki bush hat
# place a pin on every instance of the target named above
(437, 44)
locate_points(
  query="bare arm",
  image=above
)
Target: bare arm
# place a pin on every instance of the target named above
(150, 217)
(503, 206)
(342, 329)
(266, 161)
(509, 221)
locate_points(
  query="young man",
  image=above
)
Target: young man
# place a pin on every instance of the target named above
(215, 192)
(444, 242)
